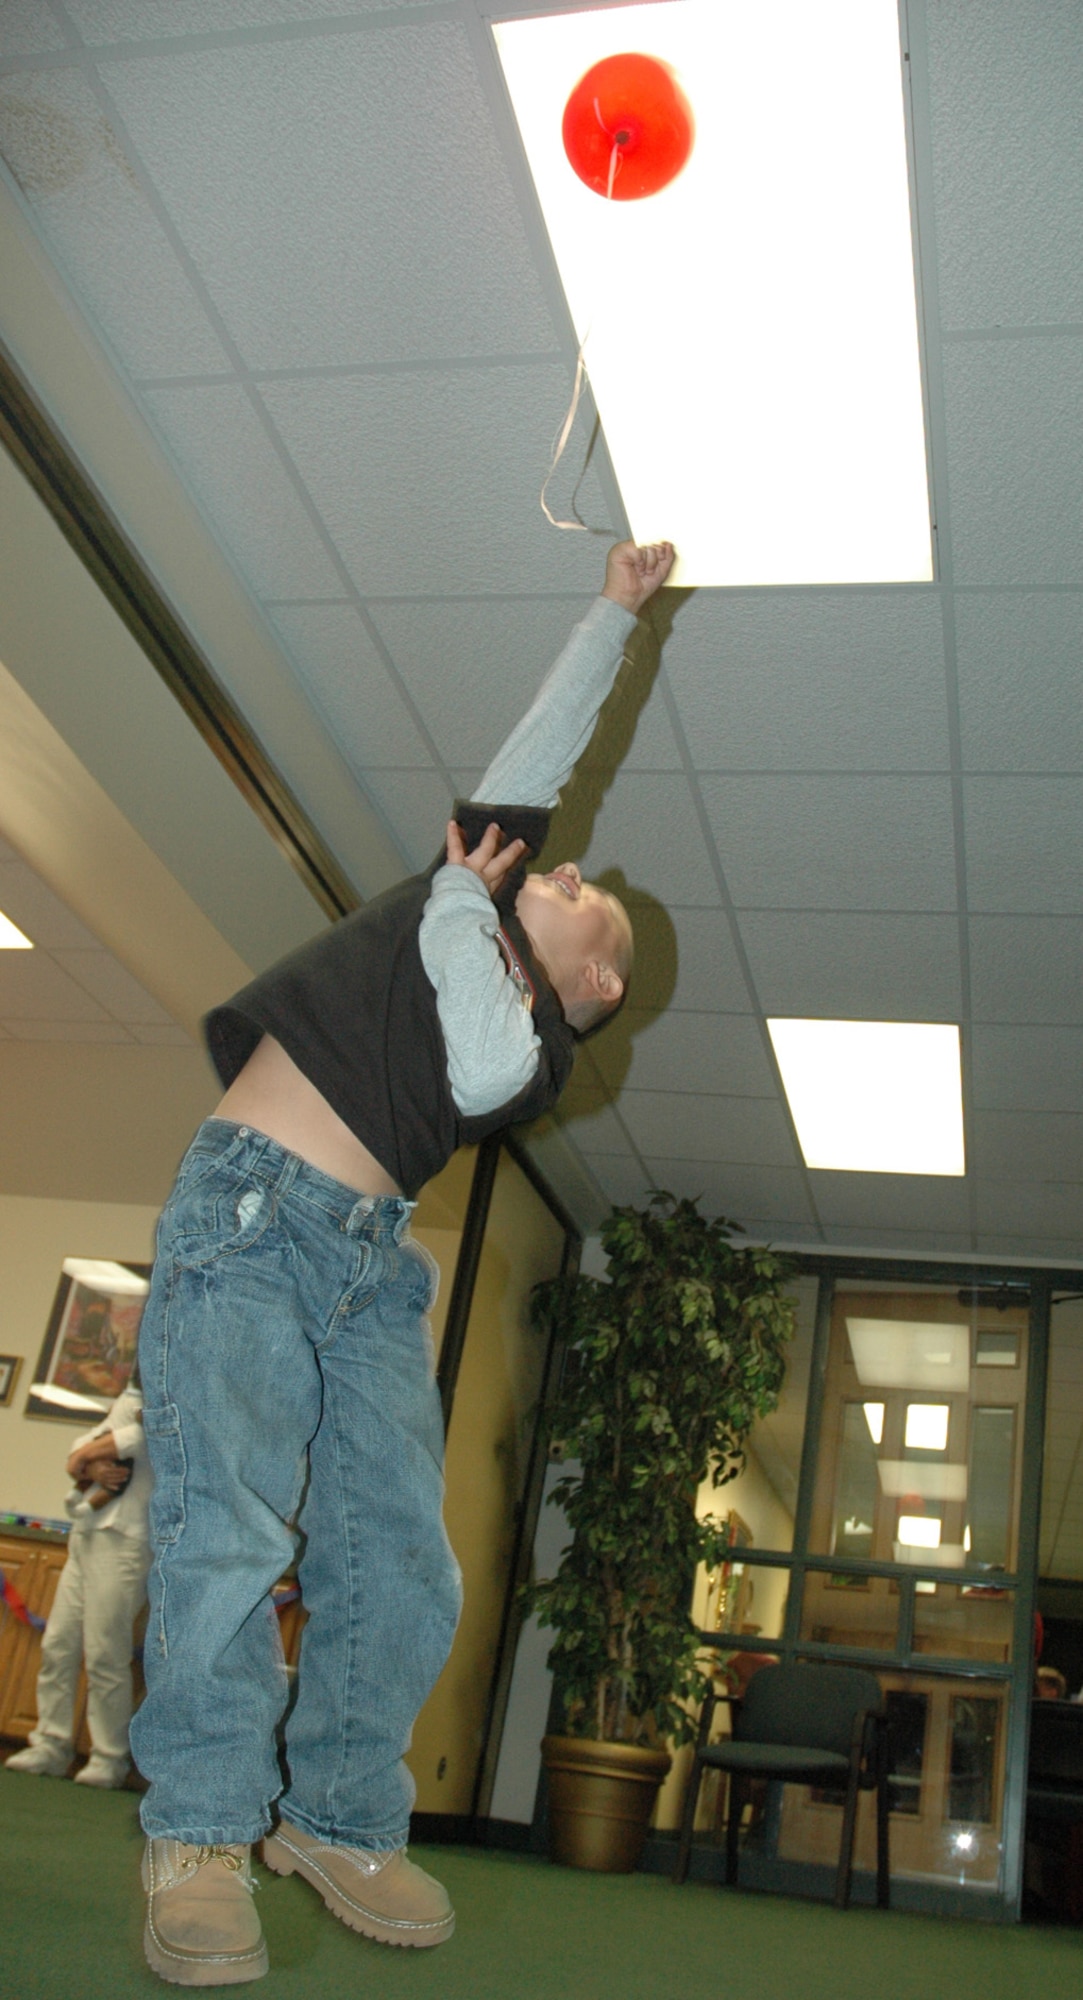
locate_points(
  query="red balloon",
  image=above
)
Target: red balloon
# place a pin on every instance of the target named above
(628, 127)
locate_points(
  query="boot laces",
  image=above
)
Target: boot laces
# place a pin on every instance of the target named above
(228, 1856)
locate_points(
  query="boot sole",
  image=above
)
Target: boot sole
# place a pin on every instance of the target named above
(283, 1858)
(181, 1970)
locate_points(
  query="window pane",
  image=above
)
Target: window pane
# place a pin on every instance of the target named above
(858, 1484)
(914, 1466)
(760, 1503)
(850, 1611)
(964, 1624)
(992, 1437)
(973, 1758)
(946, 1788)
(907, 1715)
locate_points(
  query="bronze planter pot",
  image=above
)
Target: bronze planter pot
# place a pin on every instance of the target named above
(601, 1796)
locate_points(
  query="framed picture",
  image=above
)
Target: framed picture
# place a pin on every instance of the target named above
(730, 1587)
(10, 1365)
(88, 1352)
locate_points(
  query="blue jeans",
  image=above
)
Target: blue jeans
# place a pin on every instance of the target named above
(288, 1380)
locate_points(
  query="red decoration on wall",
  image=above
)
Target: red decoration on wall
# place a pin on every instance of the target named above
(628, 127)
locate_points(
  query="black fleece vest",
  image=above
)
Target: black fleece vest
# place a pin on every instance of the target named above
(354, 1009)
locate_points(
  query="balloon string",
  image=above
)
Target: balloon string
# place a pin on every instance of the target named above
(580, 527)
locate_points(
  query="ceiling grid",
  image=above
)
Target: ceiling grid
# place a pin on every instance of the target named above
(308, 239)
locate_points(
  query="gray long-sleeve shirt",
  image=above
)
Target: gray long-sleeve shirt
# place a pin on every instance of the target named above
(492, 1050)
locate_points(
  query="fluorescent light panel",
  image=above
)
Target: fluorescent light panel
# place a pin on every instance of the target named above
(927, 1426)
(874, 1097)
(919, 1531)
(910, 1354)
(753, 344)
(11, 938)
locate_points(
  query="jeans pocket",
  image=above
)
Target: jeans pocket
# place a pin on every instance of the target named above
(165, 1449)
(220, 1217)
(424, 1275)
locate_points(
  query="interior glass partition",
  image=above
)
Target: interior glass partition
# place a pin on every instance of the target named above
(911, 1550)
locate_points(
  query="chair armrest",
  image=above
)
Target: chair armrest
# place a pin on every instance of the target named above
(706, 1714)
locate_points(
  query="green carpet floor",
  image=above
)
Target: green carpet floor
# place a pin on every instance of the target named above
(71, 1921)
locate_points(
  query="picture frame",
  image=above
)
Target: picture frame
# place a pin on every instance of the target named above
(88, 1353)
(10, 1365)
(729, 1587)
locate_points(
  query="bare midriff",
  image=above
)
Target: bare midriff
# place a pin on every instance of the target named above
(273, 1096)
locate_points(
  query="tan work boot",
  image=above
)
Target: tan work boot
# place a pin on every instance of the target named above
(202, 1928)
(383, 1895)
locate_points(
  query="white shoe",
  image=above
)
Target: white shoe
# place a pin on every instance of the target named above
(103, 1771)
(40, 1760)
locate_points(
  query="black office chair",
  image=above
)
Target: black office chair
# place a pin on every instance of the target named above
(803, 1724)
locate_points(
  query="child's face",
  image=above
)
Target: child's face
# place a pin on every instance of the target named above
(580, 932)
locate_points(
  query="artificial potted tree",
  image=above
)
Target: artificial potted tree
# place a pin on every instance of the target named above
(670, 1360)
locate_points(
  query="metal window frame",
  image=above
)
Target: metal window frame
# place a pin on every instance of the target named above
(1003, 1904)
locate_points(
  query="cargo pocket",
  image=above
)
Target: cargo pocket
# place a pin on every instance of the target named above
(165, 1449)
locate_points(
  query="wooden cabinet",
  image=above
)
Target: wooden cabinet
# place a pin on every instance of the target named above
(33, 1567)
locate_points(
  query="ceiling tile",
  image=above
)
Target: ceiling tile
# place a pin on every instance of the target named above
(621, 1178)
(834, 843)
(1024, 845)
(819, 680)
(1031, 1209)
(1061, 1250)
(645, 825)
(135, 20)
(1018, 656)
(903, 1202)
(774, 1194)
(28, 28)
(1015, 458)
(690, 1053)
(415, 806)
(858, 966)
(34, 988)
(99, 224)
(685, 959)
(1027, 969)
(435, 477)
(350, 685)
(67, 1031)
(749, 1130)
(897, 1242)
(1040, 1146)
(597, 1128)
(40, 914)
(108, 982)
(474, 666)
(1027, 1069)
(1007, 158)
(241, 485)
(161, 1035)
(336, 151)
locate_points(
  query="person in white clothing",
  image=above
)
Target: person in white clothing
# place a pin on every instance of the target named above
(101, 1591)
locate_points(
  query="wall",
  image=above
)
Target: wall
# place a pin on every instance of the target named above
(35, 1236)
(488, 1444)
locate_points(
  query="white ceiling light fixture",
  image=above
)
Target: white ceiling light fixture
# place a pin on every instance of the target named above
(927, 1426)
(919, 1531)
(874, 1417)
(910, 1354)
(11, 937)
(874, 1097)
(767, 294)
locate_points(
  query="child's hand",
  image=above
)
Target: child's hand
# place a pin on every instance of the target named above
(633, 574)
(489, 861)
(111, 1473)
